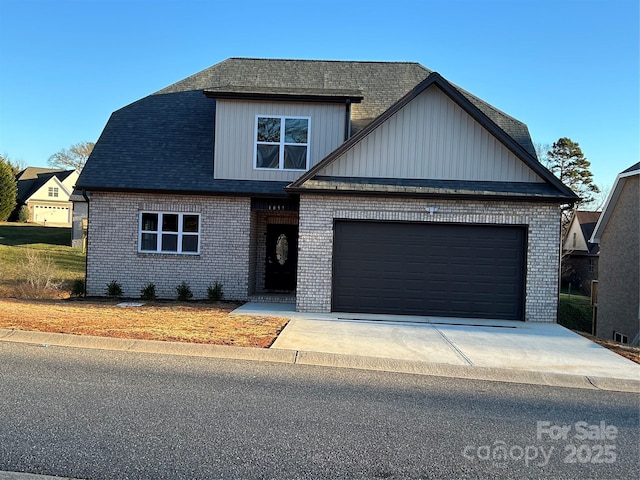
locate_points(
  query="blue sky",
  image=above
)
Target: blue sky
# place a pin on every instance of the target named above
(567, 68)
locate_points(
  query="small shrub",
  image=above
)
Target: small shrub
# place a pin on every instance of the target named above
(184, 291)
(39, 273)
(23, 214)
(148, 292)
(214, 292)
(114, 289)
(77, 287)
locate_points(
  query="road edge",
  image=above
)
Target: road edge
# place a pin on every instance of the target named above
(301, 357)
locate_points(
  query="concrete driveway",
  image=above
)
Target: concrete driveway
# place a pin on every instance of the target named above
(503, 350)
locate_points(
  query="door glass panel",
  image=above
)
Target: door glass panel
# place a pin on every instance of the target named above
(282, 249)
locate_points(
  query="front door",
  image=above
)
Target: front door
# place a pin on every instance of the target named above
(281, 258)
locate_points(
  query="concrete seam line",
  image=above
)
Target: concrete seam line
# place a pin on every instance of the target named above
(453, 346)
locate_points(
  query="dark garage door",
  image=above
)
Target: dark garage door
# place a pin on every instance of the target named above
(451, 270)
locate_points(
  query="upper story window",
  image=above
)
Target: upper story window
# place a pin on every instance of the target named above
(163, 232)
(282, 143)
(53, 192)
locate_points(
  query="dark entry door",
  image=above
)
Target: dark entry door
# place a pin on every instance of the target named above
(281, 258)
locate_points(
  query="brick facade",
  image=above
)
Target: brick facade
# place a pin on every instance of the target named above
(619, 281)
(113, 245)
(232, 243)
(317, 214)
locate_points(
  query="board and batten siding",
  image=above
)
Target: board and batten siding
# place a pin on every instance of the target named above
(235, 136)
(432, 138)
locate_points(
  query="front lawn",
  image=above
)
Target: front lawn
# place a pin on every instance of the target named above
(32, 252)
(169, 321)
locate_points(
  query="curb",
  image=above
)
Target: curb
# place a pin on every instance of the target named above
(29, 476)
(321, 359)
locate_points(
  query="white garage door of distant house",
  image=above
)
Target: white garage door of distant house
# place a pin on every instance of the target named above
(51, 214)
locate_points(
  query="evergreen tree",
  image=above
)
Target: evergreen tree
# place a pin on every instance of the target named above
(8, 189)
(567, 162)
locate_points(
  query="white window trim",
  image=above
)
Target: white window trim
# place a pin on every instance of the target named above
(281, 144)
(53, 192)
(158, 232)
(620, 338)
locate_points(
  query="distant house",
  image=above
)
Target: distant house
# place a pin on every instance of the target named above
(579, 255)
(373, 187)
(618, 234)
(46, 193)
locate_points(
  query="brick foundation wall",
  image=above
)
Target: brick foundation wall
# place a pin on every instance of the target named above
(317, 214)
(113, 246)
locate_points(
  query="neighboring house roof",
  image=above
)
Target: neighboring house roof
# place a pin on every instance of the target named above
(612, 199)
(586, 223)
(31, 179)
(164, 142)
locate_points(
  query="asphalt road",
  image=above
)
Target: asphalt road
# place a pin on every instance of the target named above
(95, 414)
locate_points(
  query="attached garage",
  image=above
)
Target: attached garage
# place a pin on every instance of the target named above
(429, 269)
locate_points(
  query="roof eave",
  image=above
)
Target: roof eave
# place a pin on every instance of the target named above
(434, 195)
(284, 97)
(608, 205)
(156, 191)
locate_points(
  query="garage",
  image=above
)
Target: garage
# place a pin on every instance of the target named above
(51, 214)
(429, 269)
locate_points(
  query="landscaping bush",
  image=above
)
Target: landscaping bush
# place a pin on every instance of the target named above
(114, 289)
(77, 288)
(575, 315)
(184, 291)
(23, 214)
(148, 292)
(214, 292)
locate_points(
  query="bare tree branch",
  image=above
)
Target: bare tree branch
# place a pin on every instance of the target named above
(74, 157)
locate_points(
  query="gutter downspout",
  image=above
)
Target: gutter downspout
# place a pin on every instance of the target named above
(86, 253)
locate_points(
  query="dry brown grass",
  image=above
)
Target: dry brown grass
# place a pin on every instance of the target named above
(171, 321)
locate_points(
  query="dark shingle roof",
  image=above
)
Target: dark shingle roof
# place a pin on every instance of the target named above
(588, 221)
(632, 168)
(31, 179)
(164, 142)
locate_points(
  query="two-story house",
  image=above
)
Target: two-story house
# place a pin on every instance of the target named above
(46, 192)
(342, 186)
(579, 255)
